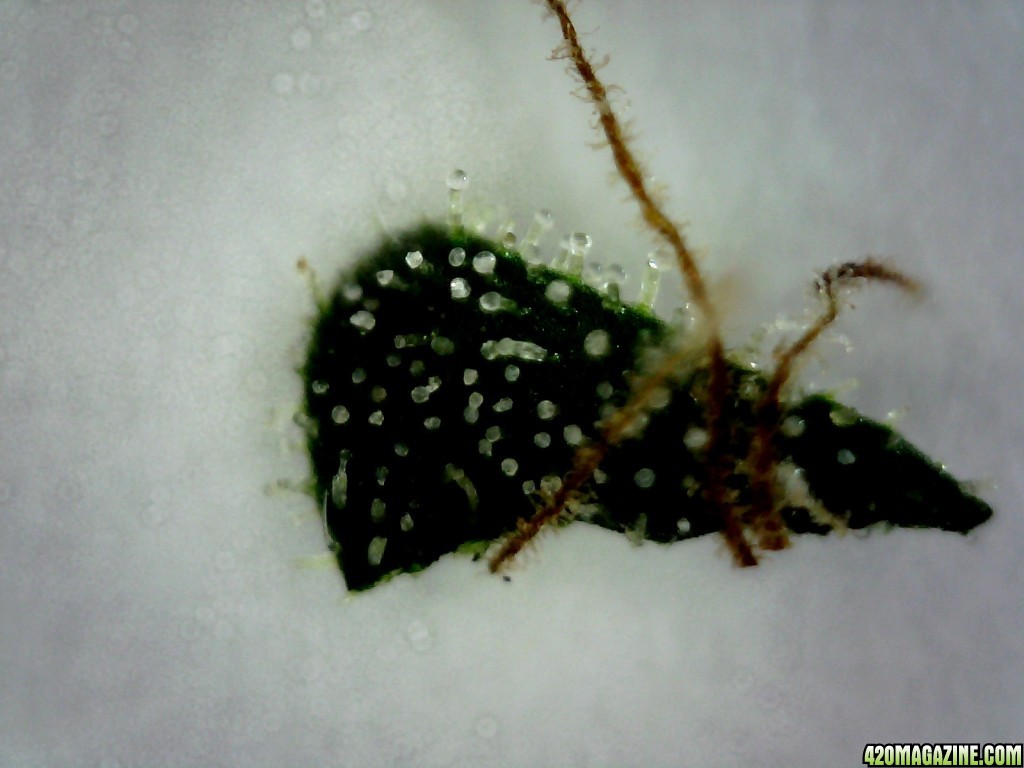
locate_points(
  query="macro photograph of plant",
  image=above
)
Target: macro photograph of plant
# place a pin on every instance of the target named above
(510, 384)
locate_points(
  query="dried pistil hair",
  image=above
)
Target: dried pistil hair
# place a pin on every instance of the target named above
(588, 458)
(764, 519)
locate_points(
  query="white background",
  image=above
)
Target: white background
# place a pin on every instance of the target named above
(163, 166)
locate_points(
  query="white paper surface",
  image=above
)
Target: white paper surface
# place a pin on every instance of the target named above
(164, 165)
